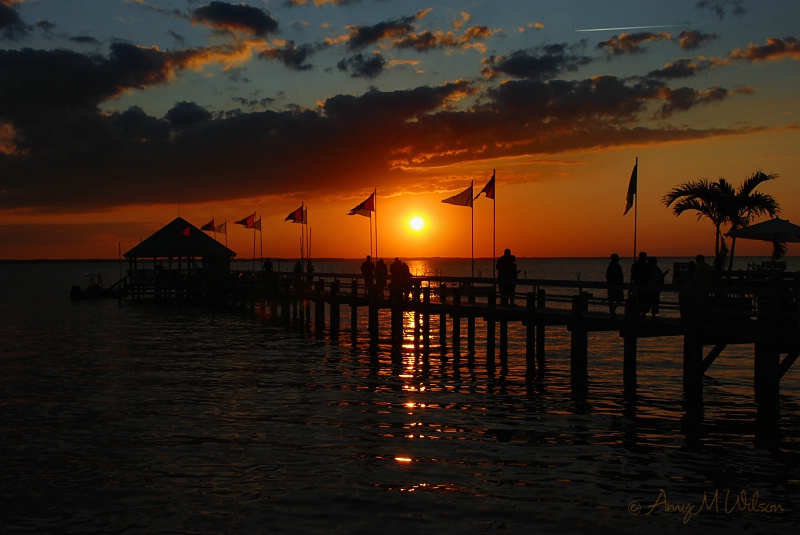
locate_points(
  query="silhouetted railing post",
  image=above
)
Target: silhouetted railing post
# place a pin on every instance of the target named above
(541, 300)
(319, 307)
(579, 341)
(426, 319)
(374, 324)
(456, 322)
(766, 374)
(335, 317)
(530, 336)
(354, 310)
(471, 321)
(490, 329)
(629, 346)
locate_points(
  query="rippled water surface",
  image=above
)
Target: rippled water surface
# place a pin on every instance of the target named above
(139, 417)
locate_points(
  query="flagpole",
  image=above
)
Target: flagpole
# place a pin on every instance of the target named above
(494, 223)
(302, 205)
(254, 242)
(375, 205)
(636, 208)
(472, 225)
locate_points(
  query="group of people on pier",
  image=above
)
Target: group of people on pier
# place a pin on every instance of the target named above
(647, 279)
(376, 278)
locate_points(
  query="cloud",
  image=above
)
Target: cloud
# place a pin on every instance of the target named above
(630, 43)
(292, 56)
(236, 17)
(691, 39)
(537, 63)
(720, 7)
(61, 152)
(685, 68)
(362, 36)
(11, 25)
(363, 66)
(775, 49)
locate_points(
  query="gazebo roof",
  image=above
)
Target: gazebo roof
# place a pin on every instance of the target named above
(179, 239)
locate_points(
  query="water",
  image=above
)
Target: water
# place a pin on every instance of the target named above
(142, 417)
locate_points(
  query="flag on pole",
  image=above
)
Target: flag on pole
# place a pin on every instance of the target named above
(462, 199)
(248, 222)
(209, 226)
(257, 224)
(222, 228)
(365, 207)
(488, 189)
(632, 187)
(295, 216)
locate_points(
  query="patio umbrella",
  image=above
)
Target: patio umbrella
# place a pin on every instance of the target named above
(776, 231)
(773, 230)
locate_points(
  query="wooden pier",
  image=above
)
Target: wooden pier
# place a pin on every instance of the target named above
(763, 313)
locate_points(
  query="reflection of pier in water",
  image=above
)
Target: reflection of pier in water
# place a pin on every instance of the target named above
(748, 311)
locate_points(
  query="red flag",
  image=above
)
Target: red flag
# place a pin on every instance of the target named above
(462, 199)
(186, 231)
(248, 222)
(257, 224)
(209, 226)
(365, 207)
(632, 187)
(295, 216)
(488, 189)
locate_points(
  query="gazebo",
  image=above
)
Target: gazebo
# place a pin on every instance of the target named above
(168, 259)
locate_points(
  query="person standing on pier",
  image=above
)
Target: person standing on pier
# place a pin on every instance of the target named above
(368, 271)
(614, 276)
(656, 281)
(507, 276)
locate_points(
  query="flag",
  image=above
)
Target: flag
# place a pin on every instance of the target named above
(209, 226)
(257, 224)
(248, 222)
(632, 186)
(462, 199)
(304, 219)
(222, 228)
(186, 231)
(488, 189)
(295, 216)
(365, 207)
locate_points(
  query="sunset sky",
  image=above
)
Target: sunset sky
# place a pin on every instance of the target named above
(116, 116)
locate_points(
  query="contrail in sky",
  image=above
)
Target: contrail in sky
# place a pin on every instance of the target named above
(628, 28)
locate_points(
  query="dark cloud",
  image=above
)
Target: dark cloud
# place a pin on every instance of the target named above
(685, 98)
(67, 154)
(362, 36)
(361, 66)
(292, 56)
(775, 48)
(538, 63)
(691, 39)
(630, 43)
(721, 7)
(428, 40)
(185, 114)
(84, 40)
(683, 68)
(11, 25)
(236, 17)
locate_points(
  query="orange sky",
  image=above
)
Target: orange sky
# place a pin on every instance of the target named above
(246, 110)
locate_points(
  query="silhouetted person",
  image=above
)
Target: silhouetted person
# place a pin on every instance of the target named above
(614, 276)
(640, 279)
(309, 272)
(268, 265)
(405, 281)
(381, 276)
(702, 281)
(368, 270)
(298, 274)
(655, 283)
(395, 286)
(507, 276)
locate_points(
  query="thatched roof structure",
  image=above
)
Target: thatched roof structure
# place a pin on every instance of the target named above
(180, 239)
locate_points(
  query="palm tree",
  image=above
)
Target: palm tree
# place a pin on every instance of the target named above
(721, 203)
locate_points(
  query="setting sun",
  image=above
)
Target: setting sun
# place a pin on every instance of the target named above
(416, 223)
